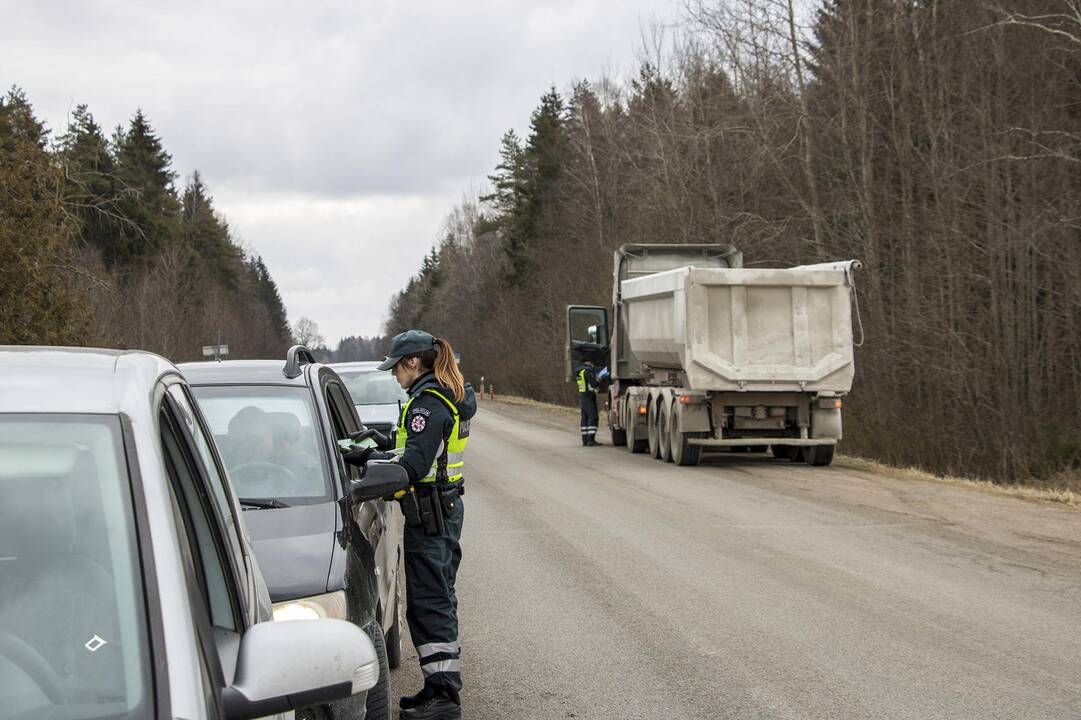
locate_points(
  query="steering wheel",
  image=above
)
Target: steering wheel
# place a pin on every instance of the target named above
(263, 465)
(34, 664)
(281, 479)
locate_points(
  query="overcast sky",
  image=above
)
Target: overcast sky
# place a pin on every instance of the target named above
(334, 136)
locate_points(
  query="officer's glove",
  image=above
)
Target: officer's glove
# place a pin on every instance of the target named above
(358, 455)
(381, 441)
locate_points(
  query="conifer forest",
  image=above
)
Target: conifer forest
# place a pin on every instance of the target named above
(100, 247)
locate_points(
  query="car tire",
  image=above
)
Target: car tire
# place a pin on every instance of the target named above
(394, 635)
(377, 702)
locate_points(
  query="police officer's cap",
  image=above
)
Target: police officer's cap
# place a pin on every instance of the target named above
(405, 344)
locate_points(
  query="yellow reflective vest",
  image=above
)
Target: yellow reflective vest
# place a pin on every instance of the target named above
(583, 385)
(452, 448)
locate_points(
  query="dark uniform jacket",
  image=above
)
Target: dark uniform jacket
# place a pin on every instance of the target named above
(429, 423)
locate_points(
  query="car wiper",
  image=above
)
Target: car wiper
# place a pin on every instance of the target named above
(262, 503)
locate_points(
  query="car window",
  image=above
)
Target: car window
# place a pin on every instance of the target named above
(373, 387)
(339, 400)
(203, 639)
(341, 419)
(203, 444)
(73, 634)
(269, 441)
(197, 519)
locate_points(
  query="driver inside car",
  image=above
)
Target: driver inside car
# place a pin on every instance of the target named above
(251, 438)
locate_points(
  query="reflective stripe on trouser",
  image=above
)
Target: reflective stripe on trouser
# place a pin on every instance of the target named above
(588, 401)
(431, 566)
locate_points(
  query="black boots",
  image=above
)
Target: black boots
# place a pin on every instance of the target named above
(429, 705)
(407, 702)
(435, 708)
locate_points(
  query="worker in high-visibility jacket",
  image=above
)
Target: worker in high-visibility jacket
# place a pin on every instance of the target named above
(587, 398)
(433, 430)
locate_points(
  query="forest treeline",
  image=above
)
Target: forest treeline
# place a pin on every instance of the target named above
(99, 247)
(938, 141)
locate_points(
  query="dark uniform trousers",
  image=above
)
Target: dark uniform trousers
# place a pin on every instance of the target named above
(588, 401)
(431, 565)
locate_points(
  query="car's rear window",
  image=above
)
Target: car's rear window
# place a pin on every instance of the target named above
(269, 441)
(373, 387)
(72, 620)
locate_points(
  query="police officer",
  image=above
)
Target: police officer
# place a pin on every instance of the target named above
(432, 433)
(587, 398)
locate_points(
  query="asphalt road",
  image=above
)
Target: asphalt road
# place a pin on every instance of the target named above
(597, 584)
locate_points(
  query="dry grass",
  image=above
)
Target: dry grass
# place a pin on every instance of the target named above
(534, 404)
(1064, 488)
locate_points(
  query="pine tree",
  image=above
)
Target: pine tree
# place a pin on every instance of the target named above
(541, 160)
(509, 178)
(147, 196)
(266, 291)
(89, 185)
(206, 234)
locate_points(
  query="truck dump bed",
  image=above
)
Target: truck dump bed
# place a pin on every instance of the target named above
(738, 329)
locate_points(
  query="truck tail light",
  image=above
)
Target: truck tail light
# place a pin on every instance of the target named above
(689, 399)
(830, 403)
(643, 409)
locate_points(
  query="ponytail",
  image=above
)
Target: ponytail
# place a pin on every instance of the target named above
(446, 369)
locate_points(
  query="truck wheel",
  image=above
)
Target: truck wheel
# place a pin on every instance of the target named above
(779, 451)
(818, 455)
(683, 453)
(619, 437)
(635, 443)
(663, 430)
(654, 437)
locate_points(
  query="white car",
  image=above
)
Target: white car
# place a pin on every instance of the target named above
(127, 584)
(376, 394)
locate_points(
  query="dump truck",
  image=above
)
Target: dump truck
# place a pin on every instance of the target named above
(705, 353)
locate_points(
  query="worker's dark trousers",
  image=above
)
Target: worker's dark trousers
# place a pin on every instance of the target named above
(431, 565)
(589, 416)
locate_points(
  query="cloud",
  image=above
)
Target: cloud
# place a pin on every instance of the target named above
(336, 125)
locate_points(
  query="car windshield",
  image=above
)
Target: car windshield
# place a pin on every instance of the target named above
(72, 631)
(373, 387)
(269, 441)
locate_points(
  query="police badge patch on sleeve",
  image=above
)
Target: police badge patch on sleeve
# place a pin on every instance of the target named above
(418, 423)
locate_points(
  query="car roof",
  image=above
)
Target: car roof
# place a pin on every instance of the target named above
(78, 380)
(240, 372)
(366, 365)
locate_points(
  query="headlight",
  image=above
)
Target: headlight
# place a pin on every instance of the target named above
(330, 605)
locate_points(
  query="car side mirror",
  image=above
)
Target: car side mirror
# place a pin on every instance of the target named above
(296, 664)
(381, 479)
